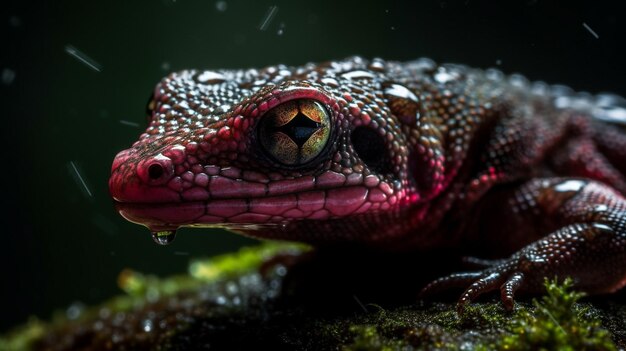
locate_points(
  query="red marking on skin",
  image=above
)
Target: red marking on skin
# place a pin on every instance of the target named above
(255, 177)
(330, 179)
(294, 213)
(320, 214)
(195, 194)
(188, 176)
(354, 179)
(201, 180)
(341, 202)
(191, 147)
(175, 184)
(376, 195)
(290, 186)
(371, 181)
(226, 208)
(211, 170)
(386, 188)
(221, 187)
(311, 201)
(180, 213)
(250, 218)
(230, 172)
(175, 153)
(273, 205)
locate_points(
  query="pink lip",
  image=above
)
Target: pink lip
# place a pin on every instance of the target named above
(315, 205)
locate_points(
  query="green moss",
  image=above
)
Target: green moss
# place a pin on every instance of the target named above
(367, 337)
(191, 308)
(142, 289)
(558, 323)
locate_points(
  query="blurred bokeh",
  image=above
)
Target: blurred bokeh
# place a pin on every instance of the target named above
(76, 75)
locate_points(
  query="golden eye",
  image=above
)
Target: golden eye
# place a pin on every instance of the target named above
(294, 132)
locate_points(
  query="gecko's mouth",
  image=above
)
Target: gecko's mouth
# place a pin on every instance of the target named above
(312, 205)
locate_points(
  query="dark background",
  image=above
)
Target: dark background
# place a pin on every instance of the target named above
(61, 245)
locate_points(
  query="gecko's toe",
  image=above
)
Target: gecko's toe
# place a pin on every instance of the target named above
(508, 289)
(456, 280)
(479, 287)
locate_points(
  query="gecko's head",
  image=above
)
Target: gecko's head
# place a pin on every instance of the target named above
(281, 152)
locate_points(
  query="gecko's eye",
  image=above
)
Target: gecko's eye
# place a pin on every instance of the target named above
(295, 132)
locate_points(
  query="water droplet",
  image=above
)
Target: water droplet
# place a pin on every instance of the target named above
(358, 74)
(164, 237)
(8, 75)
(75, 310)
(610, 108)
(568, 186)
(147, 325)
(210, 77)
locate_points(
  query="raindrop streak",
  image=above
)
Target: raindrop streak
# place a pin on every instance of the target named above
(129, 123)
(80, 178)
(591, 30)
(268, 17)
(88, 61)
(164, 237)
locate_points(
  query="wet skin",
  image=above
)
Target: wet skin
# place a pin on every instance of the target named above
(396, 156)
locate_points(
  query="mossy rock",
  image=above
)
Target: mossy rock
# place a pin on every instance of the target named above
(284, 296)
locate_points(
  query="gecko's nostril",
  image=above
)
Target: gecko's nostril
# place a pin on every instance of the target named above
(155, 171)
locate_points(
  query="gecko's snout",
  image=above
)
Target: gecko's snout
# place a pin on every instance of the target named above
(143, 181)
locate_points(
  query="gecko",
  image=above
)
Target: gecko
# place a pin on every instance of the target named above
(396, 156)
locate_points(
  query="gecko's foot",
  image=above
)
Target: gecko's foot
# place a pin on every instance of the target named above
(504, 274)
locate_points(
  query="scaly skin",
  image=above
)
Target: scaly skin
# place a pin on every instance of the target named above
(398, 156)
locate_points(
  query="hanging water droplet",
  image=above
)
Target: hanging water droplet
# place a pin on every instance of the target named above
(164, 237)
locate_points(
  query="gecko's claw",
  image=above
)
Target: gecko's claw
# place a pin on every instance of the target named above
(501, 276)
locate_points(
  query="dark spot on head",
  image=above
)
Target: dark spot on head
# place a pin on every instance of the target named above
(371, 149)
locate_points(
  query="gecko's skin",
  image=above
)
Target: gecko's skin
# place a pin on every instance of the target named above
(397, 156)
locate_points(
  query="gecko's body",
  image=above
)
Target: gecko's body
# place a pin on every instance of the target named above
(398, 156)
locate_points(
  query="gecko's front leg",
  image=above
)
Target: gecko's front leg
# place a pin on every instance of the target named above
(584, 223)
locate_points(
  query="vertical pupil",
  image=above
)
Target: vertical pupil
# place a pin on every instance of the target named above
(299, 129)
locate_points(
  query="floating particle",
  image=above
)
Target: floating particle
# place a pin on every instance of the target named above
(80, 56)
(15, 21)
(8, 76)
(181, 253)
(498, 62)
(269, 16)
(591, 30)
(165, 66)
(281, 29)
(221, 6)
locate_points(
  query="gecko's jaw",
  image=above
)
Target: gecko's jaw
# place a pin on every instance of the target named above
(310, 205)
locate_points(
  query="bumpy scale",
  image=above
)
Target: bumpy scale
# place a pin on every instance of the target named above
(398, 156)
